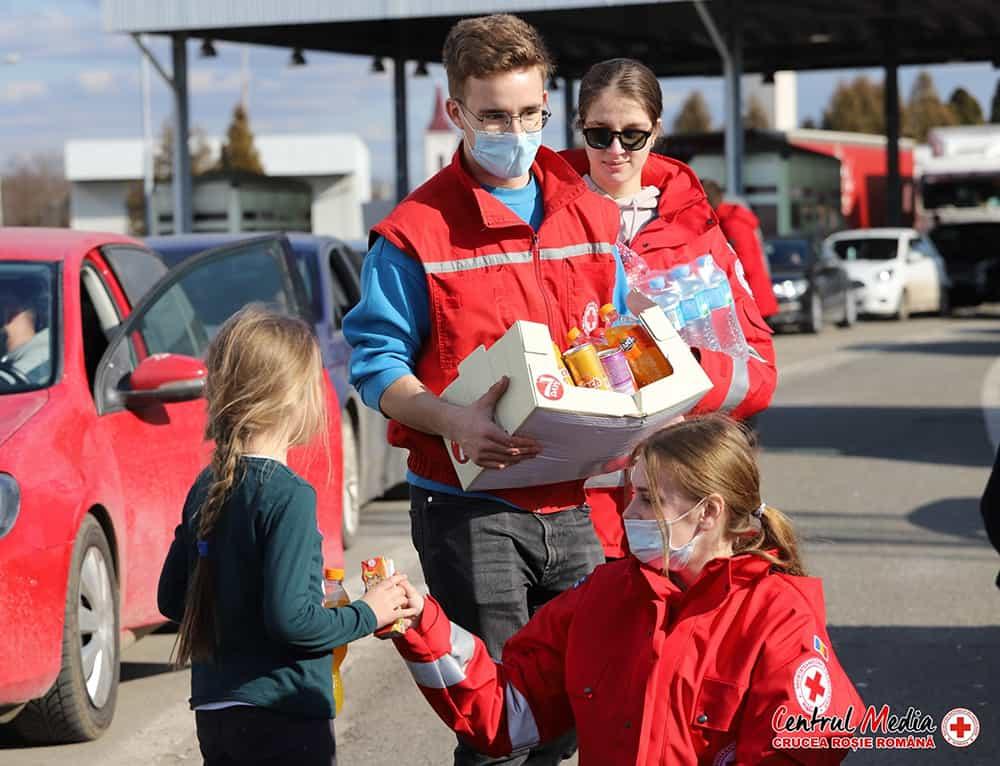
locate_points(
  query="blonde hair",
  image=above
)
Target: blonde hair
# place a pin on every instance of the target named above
(713, 454)
(265, 376)
(490, 45)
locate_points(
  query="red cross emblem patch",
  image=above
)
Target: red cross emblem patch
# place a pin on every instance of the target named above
(813, 688)
(960, 727)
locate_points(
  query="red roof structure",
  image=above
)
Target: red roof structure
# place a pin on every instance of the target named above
(439, 121)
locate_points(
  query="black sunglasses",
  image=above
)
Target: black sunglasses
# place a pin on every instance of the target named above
(631, 139)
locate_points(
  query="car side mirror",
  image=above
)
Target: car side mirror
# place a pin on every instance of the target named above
(164, 378)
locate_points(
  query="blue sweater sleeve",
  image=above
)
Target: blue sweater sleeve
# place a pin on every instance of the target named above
(388, 326)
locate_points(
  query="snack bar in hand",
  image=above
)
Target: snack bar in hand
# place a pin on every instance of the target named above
(373, 571)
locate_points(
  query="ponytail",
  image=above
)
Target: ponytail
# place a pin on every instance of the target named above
(775, 532)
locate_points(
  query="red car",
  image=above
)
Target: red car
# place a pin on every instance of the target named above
(101, 435)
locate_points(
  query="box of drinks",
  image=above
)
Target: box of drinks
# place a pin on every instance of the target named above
(585, 429)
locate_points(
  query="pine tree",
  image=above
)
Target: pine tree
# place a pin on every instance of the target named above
(925, 109)
(239, 152)
(163, 155)
(995, 105)
(694, 116)
(966, 109)
(856, 106)
(756, 117)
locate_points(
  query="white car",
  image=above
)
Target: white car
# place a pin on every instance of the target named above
(894, 272)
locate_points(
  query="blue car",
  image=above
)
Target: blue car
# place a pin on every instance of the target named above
(331, 271)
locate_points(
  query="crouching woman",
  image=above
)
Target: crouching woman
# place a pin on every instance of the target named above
(694, 649)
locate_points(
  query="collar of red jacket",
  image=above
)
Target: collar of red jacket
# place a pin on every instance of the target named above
(679, 186)
(717, 578)
(559, 183)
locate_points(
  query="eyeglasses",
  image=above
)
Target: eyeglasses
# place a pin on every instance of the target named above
(631, 139)
(532, 120)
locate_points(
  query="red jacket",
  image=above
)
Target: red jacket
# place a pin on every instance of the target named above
(740, 226)
(487, 268)
(649, 675)
(684, 229)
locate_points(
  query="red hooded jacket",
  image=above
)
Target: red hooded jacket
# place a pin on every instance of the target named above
(648, 674)
(740, 226)
(686, 227)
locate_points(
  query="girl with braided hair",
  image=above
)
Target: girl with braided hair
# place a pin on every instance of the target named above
(243, 576)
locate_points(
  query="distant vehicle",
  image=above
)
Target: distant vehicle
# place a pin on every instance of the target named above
(960, 179)
(894, 271)
(971, 253)
(101, 435)
(330, 270)
(811, 285)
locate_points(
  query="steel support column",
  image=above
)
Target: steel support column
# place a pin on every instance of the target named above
(402, 150)
(894, 187)
(730, 51)
(182, 153)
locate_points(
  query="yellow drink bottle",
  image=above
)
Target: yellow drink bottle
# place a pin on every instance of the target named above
(335, 596)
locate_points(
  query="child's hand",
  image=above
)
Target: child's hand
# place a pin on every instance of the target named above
(388, 600)
(415, 601)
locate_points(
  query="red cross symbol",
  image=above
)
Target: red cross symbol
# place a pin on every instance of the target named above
(815, 685)
(960, 727)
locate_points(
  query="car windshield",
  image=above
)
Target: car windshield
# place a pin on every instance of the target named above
(28, 335)
(978, 191)
(967, 242)
(788, 254)
(866, 249)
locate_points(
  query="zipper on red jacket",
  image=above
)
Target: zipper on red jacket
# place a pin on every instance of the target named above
(536, 257)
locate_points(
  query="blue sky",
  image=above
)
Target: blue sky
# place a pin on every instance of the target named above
(73, 80)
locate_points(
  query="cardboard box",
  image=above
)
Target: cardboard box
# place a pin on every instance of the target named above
(583, 432)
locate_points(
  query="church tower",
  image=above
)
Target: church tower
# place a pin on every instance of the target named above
(440, 138)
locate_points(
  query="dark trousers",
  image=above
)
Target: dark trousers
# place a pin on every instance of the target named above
(261, 737)
(491, 567)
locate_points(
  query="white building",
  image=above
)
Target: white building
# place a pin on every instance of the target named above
(336, 166)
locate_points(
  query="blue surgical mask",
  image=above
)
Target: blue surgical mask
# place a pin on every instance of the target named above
(646, 543)
(506, 155)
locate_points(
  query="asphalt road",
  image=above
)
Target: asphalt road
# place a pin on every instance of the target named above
(877, 444)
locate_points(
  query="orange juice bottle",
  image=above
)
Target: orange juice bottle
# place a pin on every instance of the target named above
(334, 595)
(647, 362)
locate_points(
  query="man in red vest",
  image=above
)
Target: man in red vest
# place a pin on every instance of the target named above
(508, 231)
(742, 229)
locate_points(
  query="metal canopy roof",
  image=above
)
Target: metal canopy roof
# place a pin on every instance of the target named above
(668, 36)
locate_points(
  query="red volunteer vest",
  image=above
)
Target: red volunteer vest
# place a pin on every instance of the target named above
(486, 268)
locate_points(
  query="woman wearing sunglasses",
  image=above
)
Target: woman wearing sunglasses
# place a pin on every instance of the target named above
(665, 219)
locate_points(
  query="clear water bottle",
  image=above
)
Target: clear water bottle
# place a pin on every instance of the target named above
(697, 330)
(635, 265)
(725, 321)
(667, 296)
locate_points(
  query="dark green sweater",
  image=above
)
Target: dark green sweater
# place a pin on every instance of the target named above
(274, 636)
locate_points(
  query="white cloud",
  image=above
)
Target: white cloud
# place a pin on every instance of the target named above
(24, 90)
(97, 80)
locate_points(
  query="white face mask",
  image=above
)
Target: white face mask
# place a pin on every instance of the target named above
(646, 543)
